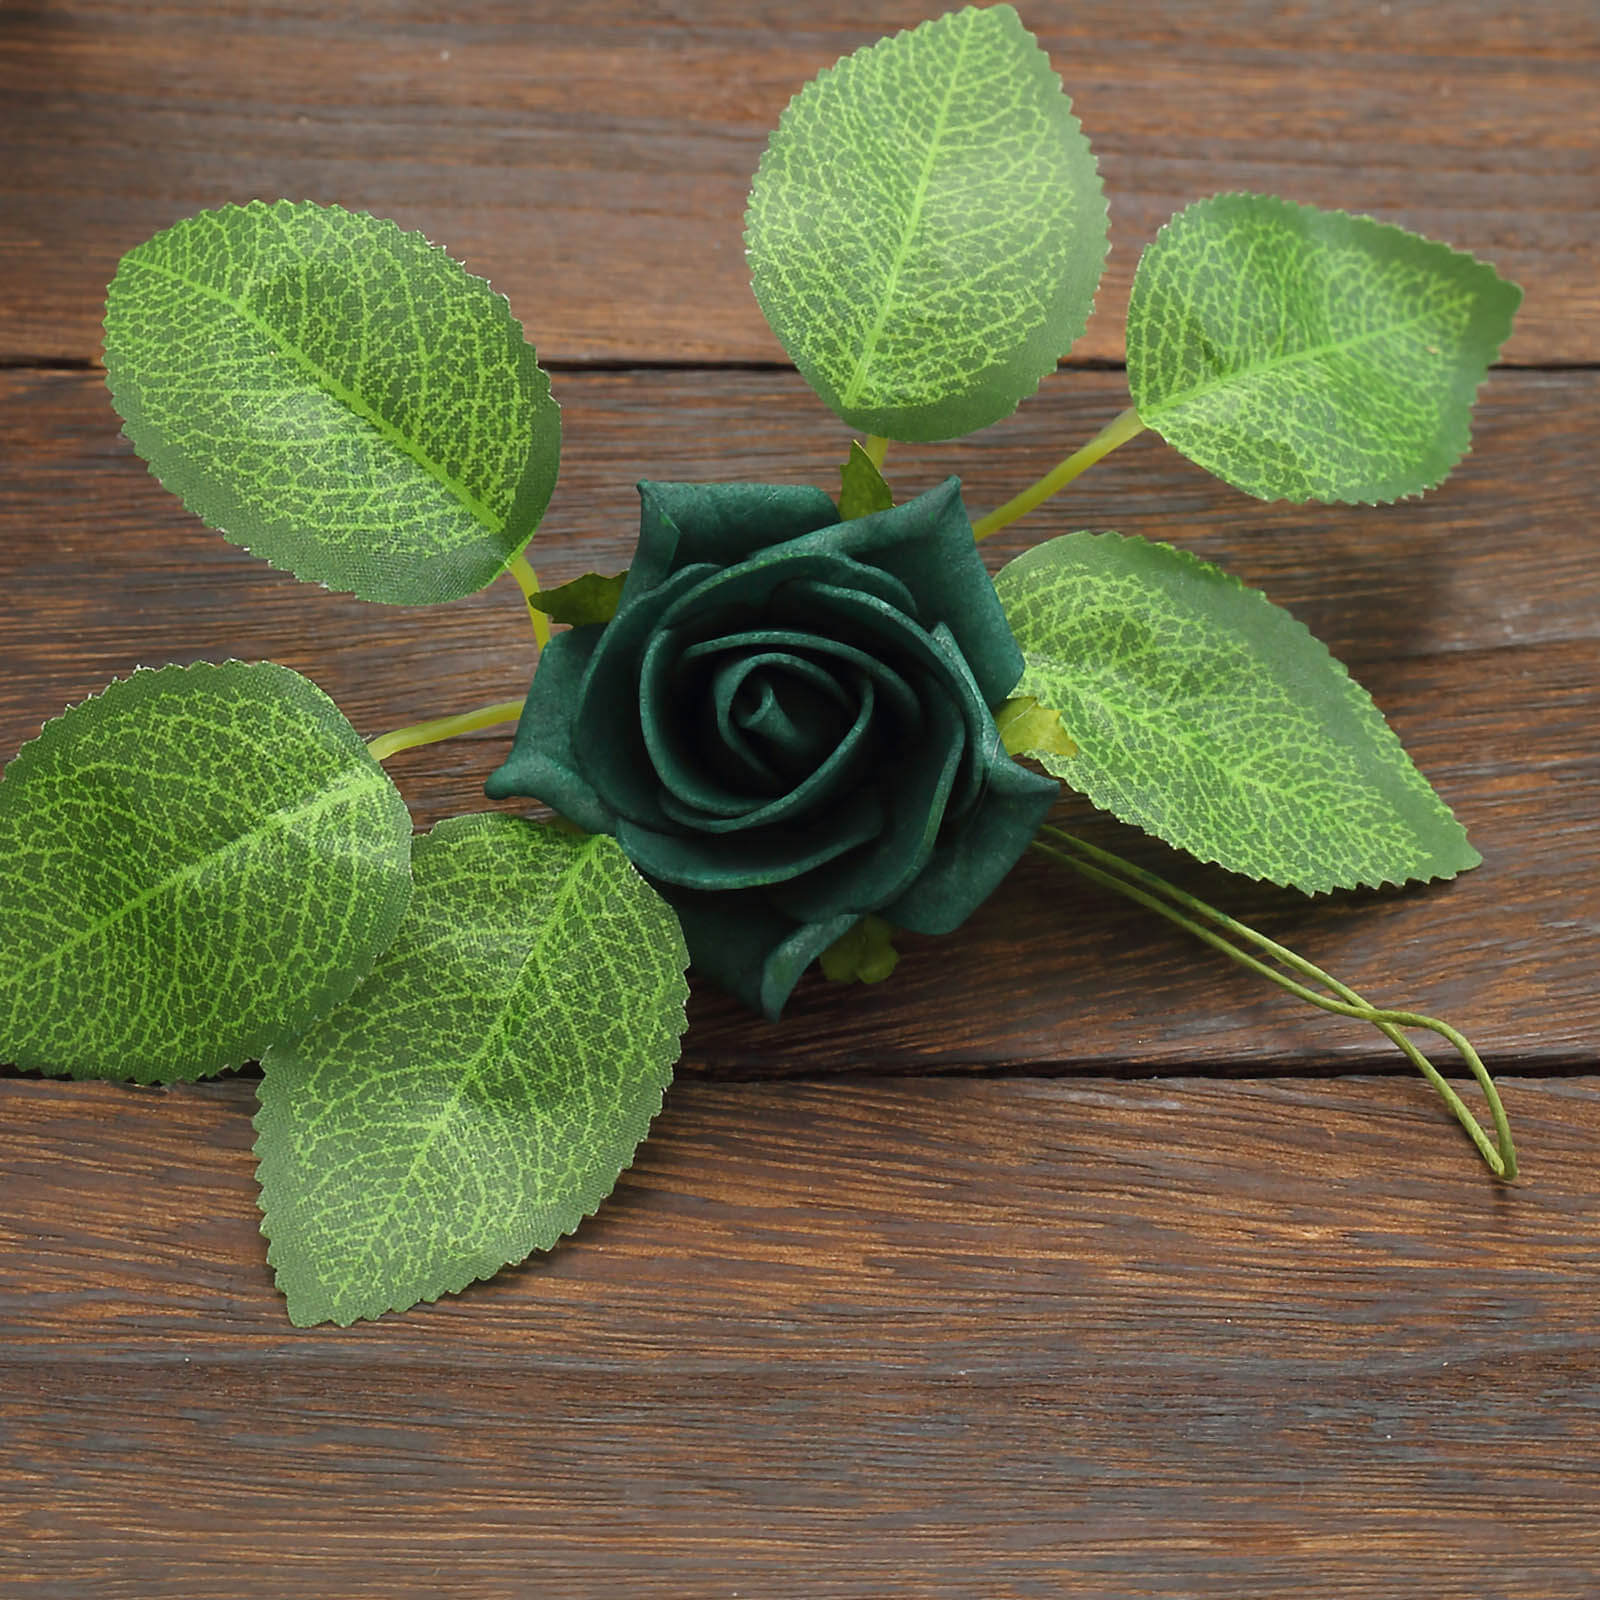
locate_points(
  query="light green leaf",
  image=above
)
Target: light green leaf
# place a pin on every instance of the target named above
(862, 489)
(591, 598)
(1311, 355)
(337, 395)
(1030, 729)
(481, 1091)
(1212, 719)
(193, 864)
(927, 228)
(866, 954)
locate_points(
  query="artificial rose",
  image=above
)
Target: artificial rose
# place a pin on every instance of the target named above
(787, 724)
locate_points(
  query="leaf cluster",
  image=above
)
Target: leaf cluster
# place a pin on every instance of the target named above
(1295, 353)
(464, 1037)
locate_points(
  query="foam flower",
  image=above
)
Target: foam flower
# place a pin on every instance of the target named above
(787, 724)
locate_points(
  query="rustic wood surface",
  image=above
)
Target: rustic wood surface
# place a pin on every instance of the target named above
(591, 157)
(952, 1338)
(918, 1294)
(1471, 616)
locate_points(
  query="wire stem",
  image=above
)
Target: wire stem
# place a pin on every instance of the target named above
(528, 582)
(1118, 431)
(420, 733)
(877, 447)
(1167, 900)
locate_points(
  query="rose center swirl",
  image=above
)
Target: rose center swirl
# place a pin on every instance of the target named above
(767, 726)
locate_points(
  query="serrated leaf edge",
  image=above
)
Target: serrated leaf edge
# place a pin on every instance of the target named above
(1392, 227)
(501, 305)
(1260, 597)
(1077, 127)
(28, 753)
(467, 823)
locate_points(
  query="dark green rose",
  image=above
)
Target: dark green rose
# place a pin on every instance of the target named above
(787, 724)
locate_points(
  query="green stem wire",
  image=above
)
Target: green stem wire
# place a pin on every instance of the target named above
(1119, 430)
(421, 733)
(528, 582)
(877, 448)
(1167, 900)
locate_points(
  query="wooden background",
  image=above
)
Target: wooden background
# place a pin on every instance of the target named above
(1070, 1261)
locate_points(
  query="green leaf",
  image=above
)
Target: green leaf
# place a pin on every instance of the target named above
(1212, 719)
(591, 598)
(193, 864)
(866, 954)
(862, 489)
(1310, 355)
(1029, 729)
(927, 228)
(337, 395)
(481, 1091)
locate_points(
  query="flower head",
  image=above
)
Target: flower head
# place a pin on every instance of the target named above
(787, 724)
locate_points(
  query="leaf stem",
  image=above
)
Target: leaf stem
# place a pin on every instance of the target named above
(1167, 900)
(528, 582)
(420, 733)
(877, 448)
(1119, 430)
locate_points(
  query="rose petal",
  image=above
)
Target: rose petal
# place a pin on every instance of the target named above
(786, 963)
(745, 860)
(927, 544)
(542, 762)
(743, 594)
(915, 792)
(795, 708)
(702, 756)
(682, 768)
(681, 524)
(714, 772)
(967, 865)
(617, 765)
(900, 699)
(934, 652)
(740, 941)
(835, 775)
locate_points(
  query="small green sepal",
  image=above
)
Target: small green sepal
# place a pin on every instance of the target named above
(862, 489)
(591, 598)
(1030, 729)
(866, 954)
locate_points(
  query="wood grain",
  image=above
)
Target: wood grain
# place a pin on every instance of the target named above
(1473, 616)
(592, 159)
(1046, 1269)
(881, 1338)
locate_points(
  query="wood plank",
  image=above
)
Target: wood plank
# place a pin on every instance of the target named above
(992, 1332)
(863, 1339)
(592, 159)
(1472, 615)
